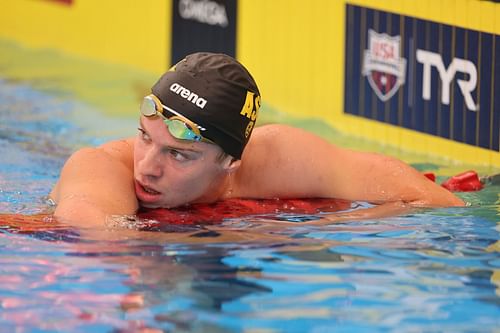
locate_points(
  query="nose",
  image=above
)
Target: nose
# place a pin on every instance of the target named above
(151, 165)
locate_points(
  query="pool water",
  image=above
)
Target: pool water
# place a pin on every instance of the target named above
(428, 271)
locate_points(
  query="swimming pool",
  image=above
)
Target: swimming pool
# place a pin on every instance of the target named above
(431, 270)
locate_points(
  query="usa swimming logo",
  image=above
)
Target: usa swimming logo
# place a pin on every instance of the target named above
(382, 64)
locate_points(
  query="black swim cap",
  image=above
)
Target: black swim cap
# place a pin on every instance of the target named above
(217, 93)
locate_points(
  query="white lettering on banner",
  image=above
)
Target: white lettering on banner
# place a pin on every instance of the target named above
(204, 11)
(431, 59)
(189, 95)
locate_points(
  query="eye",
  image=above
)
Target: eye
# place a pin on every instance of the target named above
(178, 156)
(144, 136)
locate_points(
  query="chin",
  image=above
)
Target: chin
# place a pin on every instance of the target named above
(150, 205)
(164, 205)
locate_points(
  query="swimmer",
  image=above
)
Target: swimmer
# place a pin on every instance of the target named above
(196, 143)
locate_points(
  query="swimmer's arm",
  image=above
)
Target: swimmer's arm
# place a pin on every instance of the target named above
(291, 162)
(380, 179)
(96, 183)
(387, 209)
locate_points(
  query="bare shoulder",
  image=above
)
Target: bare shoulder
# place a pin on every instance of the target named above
(281, 143)
(283, 161)
(93, 162)
(111, 153)
(284, 138)
(123, 150)
(281, 131)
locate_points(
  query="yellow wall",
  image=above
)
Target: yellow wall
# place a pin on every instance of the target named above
(294, 48)
(126, 32)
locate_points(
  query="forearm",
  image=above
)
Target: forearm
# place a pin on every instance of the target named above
(436, 196)
(380, 179)
(387, 209)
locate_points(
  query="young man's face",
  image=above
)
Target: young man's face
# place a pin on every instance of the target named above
(169, 172)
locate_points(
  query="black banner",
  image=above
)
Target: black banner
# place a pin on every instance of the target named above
(203, 25)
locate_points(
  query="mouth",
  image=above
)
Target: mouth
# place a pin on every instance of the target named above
(146, 194)
(149, 190)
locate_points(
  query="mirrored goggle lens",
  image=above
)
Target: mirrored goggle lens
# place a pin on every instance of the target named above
(181, 130)
(148, 107)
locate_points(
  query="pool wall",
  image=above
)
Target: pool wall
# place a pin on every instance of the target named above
(419, 75)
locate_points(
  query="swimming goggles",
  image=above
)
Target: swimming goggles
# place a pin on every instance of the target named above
(179, 126)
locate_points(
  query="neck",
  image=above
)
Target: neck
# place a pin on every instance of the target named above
(222, 189)
(228, 190)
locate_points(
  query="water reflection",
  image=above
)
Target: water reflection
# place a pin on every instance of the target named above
(413, 272)
(123, 278)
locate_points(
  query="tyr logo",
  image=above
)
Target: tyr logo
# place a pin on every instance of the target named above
(431, 59)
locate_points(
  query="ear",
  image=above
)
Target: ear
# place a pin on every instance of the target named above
(231, 164)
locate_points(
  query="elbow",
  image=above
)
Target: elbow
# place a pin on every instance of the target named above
(440, 201)
(456, 202)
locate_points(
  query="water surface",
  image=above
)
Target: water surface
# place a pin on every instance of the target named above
(429, 270)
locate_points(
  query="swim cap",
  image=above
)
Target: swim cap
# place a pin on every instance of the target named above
(217, 93)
